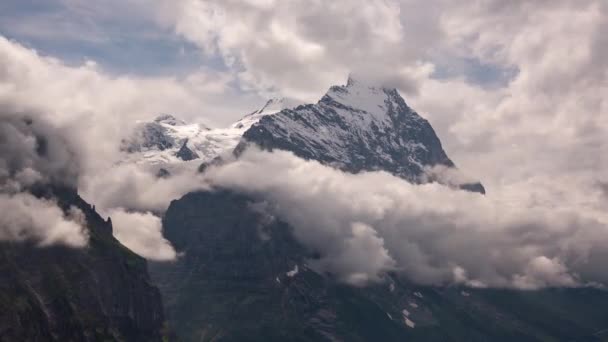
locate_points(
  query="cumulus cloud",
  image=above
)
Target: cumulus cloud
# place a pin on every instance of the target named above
(550, 119)
(25, 217)
(142, 233)
(318, 43)
(133, 187)
(366, 224)
(32, 153)
(135, 198)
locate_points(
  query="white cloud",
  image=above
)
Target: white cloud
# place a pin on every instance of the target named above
(363, 225)
(135, 188)
(33, 152)
(541, 137)
(25, 217)
(298, 48)
(142, 233)
(135, 198)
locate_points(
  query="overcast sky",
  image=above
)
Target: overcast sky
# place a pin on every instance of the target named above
(516, 90)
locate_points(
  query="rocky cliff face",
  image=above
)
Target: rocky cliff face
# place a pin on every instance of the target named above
(99, 293)
(357, 127)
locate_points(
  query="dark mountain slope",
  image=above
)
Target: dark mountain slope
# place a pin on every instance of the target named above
(244, 278)
(99, 293)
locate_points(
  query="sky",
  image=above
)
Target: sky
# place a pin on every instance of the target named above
(197, 39)
(516, 90)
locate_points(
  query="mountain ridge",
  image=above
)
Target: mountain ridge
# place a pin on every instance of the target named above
(358, 127)
(355, 127)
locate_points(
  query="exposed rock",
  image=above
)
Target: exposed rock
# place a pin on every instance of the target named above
(163, 173)
(150, 135)
(185, 153)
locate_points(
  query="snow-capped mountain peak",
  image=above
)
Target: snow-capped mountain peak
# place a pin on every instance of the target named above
(362, 96)
(273, 106)
(356, 127)
(169, 142)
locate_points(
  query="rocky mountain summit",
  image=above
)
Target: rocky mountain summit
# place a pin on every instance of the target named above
(355, 127)
(358, 127)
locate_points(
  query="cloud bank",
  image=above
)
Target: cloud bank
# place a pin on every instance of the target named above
(366, 224)
(135, 198)
(25, 217)
(142, 233)
(32, 153)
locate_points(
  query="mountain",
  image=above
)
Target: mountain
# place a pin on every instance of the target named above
(243, 277)
(358, 127)
(167, 142)
(57, 293)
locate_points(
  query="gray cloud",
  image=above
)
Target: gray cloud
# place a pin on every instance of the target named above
(366, 224)
(319, 43)
(33, 152)
(135, 198)
(25, 217)
(604, 189)
(142, 233)
(134, 187)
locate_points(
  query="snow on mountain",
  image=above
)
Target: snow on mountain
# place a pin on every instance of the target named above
(272, 106)
(168, 142)
(358, 127)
